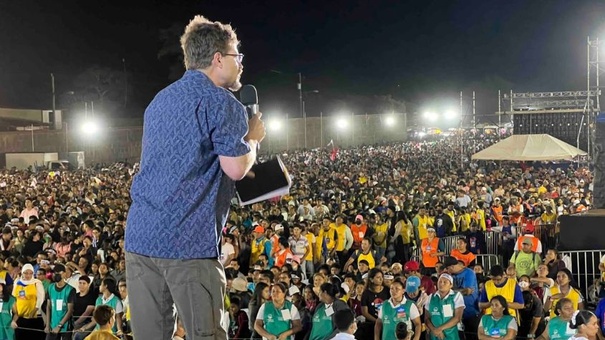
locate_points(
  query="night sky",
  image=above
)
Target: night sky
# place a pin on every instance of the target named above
(420, 52)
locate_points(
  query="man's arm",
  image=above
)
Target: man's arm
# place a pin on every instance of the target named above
(237, 167)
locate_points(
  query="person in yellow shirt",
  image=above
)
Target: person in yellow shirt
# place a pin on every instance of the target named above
(345, 239)
(464, 220)
(480, 215)
(309, 259)
(27, 310)
(105, 317)
(421, 222)
(452, 213)
(380, 235)
(326, 240)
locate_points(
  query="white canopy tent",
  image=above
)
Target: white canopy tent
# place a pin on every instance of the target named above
(529, 148)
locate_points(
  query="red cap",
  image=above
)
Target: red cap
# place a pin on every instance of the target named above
(411, 266)
(259, 229)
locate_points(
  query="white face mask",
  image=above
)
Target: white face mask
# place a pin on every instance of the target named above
(523, 284)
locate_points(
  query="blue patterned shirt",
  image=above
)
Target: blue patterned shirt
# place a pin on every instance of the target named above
(181, 197)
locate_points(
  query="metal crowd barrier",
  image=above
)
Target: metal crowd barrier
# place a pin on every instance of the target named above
(487, 260)
(584, 266)
(449, 242)
(491, 242)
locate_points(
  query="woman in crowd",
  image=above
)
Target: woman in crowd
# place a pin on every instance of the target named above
(355, 298)
(553, 262)
(395, 310)
(311, 299)
(20, 241)
(278, 318)
(542, 283)
(558, 327)
(565, 287)
(27, 311)
(322, 327)
(531, 315)
(586, 325)
(499, 324)
(318, 280)
(238, 320)
(6, 313)
(33, 245)
(261, 295)
(371, 301)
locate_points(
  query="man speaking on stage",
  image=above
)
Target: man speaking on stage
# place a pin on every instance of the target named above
(197, 140)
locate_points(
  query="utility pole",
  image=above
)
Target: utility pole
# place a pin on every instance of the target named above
(52, 81)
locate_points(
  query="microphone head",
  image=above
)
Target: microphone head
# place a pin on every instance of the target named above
(248, 95)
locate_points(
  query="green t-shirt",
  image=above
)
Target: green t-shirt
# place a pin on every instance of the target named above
(526, 264)
(558, 329)
(391, 315)
(59, 298)
(441, 311)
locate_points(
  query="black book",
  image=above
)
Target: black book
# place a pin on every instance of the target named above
(270, 180)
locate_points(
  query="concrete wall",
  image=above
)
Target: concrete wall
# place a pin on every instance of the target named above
(124, 144)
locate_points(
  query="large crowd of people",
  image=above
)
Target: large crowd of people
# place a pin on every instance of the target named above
(355, 249)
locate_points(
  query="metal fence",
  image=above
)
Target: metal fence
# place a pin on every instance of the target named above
(449, 242)
(584, 266)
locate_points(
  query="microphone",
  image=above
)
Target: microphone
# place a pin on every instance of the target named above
(249, 97)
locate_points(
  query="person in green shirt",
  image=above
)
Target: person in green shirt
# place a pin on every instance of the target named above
(558, 327)
(60, 299)
(499, 324)
(444, 310)
(395, 310)
(323, 327)
(278, 319)
(526, 261)
(6, 312)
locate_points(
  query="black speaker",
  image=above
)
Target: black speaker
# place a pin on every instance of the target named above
(582, 231)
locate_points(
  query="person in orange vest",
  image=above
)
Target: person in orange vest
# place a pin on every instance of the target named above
(462, 253)
(432, 247)
(497, 211)
(528, 233)
(359, 230)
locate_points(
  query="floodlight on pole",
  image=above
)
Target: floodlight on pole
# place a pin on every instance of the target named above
(342, 123)
(389, 121)
(451, 114)
(275, 124)
(90, 127)
(431, 116)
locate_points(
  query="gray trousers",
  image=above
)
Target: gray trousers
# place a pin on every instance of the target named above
(196, 287)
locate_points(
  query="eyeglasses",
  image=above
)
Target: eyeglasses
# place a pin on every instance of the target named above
(238, 56)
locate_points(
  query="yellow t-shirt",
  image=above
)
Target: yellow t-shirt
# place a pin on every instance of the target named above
(26, 297)
(423, 224)
(310, 238)
(381, 235)
(341, 230)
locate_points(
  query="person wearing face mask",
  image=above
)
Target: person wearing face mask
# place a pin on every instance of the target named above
(532, 314)
(60, 299)
(29, 293)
